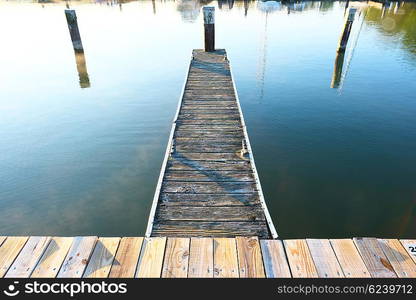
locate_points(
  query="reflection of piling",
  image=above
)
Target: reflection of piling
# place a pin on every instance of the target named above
(245, 7)
(209, 27)
(347, 30)
(84, 80)
(71, 19)
(339, 63)
(154, 6)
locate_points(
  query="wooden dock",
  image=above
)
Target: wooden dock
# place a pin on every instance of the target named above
(240, 257)
(208, 185)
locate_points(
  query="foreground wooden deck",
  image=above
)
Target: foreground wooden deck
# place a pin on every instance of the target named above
(208, 184)
(78, 257)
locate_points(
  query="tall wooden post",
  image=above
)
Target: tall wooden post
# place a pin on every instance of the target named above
(209, 26)
(71, 19)
(347, 29)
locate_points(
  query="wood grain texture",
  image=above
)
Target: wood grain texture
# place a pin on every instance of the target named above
(209, 164)
(398, 257)
(374, 258)
(324, 258)
(127, 257)
(102, 258)
(201, 258)
(53, 257)
(410, 246)
(349, 259)
(274, 259)
(225, 258)
(249, 257)
(151, 258)
(77, 258)
(300, 260)
(28, 257)
(9, 250)
(176, 258)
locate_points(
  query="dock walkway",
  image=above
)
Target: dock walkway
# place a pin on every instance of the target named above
(208, 184)
(129, 257)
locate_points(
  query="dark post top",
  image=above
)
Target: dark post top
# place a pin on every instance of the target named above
(209, 28)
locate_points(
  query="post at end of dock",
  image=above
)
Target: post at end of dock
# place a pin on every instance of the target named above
(71, 18)
(209, 27)
(347, 30)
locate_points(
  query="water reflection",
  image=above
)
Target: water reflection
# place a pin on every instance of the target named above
(322, 155)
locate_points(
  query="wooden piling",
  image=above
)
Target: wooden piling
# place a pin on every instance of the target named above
(209, 27)
(347, 30)
(84, 79)
(339, 63)
(71, 19)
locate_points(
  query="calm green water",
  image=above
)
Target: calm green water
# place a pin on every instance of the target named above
(80, 158)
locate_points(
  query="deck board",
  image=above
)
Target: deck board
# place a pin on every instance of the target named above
(28, 257)
(53, 257)
(324, 258)
(373, 256)
(77, 258)
(202, 257)
(300, 259)
(9, 250)
(350, 260)
(151, 258)
(225, 258)
(102, 258)
(127, 257)
(274, 258)
(209, 163)
(249, 257)
(176, 258)
(402, 264)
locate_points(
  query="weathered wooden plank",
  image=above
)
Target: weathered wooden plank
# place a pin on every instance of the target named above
(324, 258)
(225, 258)
(102, 258)
(209, 134)
(151, 258)
(207, 142)
(77, 258)
(210, 229)
(207, 122)
(349, 259)
(183, 199)
(374, 258)
(9, 250)
(208, 116)
(398, 258)
(410, 246)
(53, 257)
(201, 258)
(249, 257)
(300, 260)
(185, 164)
(209, 187)
(192, 213)
(127, 257)
(176, 258)
(193, 159)
(224, 176)
(28, 257)
(274, 258)
(208, 148)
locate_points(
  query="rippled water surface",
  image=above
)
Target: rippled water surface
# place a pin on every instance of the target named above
(82, 138)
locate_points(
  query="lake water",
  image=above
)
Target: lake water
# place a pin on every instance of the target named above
(81, 155)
